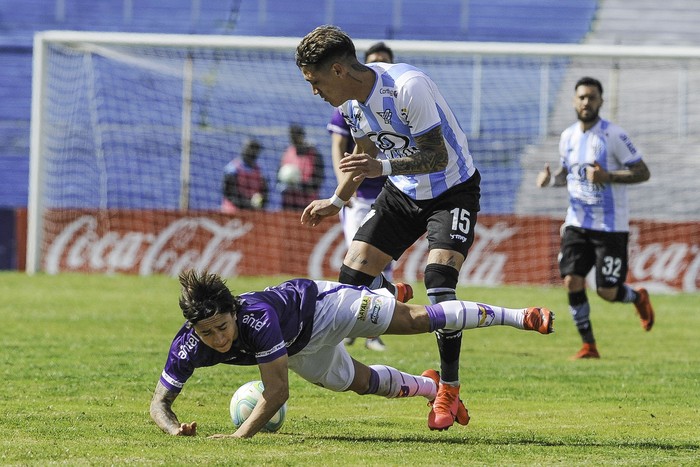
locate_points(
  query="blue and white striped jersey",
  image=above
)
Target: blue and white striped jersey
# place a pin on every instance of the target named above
(403, 104)
(591, 206)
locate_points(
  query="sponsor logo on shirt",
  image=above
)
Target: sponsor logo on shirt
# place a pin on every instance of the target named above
(254, 323)
(364, 306)
(386, 115)
(170, 380)
(187, 346)
(390, 141)
(389, 91)
(374, 315)
(625, 139)
(271, 351)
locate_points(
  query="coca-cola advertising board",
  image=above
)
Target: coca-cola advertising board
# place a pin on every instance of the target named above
(507, 249)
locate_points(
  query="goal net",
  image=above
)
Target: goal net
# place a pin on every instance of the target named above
(131, 134)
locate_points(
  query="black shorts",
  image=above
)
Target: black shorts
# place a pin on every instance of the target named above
(396, 221)
(581, 249)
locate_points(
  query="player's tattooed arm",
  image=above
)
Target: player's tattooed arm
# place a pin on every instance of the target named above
(635, 173)
(163, 415)
(431, 156)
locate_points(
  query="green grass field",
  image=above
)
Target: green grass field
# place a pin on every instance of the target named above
(81, 355)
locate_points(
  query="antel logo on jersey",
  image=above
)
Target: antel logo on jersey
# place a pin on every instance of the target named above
(186, 347)
(253, 322)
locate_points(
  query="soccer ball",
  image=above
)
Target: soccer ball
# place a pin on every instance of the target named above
(243, 402)
(289, 174)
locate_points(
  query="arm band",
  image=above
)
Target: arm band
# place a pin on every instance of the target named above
(386, 167)
(337, 202)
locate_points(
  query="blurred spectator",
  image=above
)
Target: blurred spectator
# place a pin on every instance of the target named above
(244, 186)
(301, 171)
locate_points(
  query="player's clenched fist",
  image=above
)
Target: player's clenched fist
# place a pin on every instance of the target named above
(366, 165)
(544, 176)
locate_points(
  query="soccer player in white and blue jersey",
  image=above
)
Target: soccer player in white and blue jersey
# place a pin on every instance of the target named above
(300, 325)
(598, 161)
(353, 213)
(433, 184)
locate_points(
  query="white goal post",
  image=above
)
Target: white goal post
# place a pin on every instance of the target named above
(146, 122)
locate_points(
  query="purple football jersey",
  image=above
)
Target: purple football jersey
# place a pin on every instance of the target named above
(271, 323)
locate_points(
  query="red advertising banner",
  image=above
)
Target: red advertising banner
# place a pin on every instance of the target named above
(507, 249)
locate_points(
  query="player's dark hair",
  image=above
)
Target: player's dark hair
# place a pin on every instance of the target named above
(204, 295)
(588, 81)
(378, 48)
(322, 45)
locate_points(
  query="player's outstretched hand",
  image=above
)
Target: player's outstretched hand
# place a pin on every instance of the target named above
(364, 164)
(319, 209)
(187, 429)
(544, 176)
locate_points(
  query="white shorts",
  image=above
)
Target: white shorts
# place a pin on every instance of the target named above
(352, 217)
(341, 311)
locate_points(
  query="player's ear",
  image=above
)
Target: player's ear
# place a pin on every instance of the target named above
(337, 69)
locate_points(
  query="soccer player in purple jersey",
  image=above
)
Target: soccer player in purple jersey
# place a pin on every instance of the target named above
(598, 161)
(433, 184)
(357, 208)
(300, 325)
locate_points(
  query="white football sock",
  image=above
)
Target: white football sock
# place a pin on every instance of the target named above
(470, 315)
(395, 383)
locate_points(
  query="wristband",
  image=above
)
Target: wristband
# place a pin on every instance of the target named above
(337, 202)
(386, 167)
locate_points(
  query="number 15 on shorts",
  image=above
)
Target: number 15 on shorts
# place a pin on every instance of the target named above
(461, 220)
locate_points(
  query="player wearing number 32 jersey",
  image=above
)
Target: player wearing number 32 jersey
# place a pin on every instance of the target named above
(598, 161)
(433, 185)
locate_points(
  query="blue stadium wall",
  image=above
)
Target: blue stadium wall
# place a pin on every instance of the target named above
(482, 20)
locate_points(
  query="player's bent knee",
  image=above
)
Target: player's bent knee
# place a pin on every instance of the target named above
(574, 283)
(606, 293)
(351, 276)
